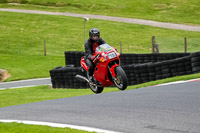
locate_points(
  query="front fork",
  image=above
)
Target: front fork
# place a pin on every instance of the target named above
(112, 71)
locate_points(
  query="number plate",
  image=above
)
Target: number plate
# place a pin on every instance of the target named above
(111, 55)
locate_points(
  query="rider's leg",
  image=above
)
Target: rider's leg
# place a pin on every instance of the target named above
(90, 65)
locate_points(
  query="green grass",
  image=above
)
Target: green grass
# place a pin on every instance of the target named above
(175, 11)
(28, 67)
(23, 128)
(22, 41)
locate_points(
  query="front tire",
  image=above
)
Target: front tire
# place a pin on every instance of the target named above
(120, 80)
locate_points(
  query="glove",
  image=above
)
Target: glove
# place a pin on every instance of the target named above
(92, 58)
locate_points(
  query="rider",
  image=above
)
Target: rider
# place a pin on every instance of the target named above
(90, 45)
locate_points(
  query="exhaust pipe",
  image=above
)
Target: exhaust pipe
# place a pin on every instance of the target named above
(79, 77)
(82, 78)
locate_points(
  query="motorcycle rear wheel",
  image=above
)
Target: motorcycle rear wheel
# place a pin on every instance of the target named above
(121, 79)
(96, 89)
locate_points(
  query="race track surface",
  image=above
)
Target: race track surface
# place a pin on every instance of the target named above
(25, 83)
(159, 109)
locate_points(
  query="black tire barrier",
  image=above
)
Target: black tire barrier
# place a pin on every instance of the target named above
(64, 77)
(139, 68)
(73, 57)
(195, 62)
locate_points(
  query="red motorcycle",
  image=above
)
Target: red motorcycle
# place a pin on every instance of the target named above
(107, 70)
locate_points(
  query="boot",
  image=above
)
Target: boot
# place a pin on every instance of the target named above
(90, 78)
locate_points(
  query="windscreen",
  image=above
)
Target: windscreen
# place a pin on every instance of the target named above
(103, 48)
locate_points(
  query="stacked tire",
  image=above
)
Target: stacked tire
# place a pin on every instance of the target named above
(145, 72)
(195, 62)
(158, 70)
(126, 69)
(130, 73)
(128, 59)
(57, 78)
(138, 74)
(73, 57)
(64, 77)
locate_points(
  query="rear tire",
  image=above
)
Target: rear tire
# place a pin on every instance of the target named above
(121, 79)
(96, 89)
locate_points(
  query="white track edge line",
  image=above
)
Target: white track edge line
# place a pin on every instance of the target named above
(177, 82)
(84, 128)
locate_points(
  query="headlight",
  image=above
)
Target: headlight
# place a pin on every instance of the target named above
(111, 55)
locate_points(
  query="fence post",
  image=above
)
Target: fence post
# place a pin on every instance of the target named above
(185, 44)
(120, 47)
(45, 52)
(153, 42)
(155, 47)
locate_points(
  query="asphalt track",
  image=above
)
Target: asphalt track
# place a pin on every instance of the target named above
(110, 18)
(25, 83)
(171, 108)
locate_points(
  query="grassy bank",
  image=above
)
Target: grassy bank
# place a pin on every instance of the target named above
(22, 39)
(28, 67)
(175, 11)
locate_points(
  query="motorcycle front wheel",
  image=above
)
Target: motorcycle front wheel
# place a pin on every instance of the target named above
(120, 80)
(95, 88)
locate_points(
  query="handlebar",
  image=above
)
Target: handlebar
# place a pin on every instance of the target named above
(96, 58)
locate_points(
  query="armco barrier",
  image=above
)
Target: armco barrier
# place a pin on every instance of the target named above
(139, 68)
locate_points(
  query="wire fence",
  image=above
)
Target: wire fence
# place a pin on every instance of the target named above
(34, 47)
(49, 47)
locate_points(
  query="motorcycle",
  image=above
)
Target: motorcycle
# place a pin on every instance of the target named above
(107, 70)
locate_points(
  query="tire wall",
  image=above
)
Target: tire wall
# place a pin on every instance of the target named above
(139, 68)
(64, 77)
(73, 58)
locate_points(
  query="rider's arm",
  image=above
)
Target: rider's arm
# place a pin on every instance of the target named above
(102, 41)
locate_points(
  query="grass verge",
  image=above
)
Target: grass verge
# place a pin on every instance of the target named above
(23, 128)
